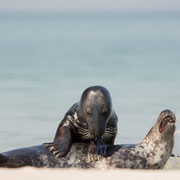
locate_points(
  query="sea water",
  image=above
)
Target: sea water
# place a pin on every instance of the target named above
(48, 60)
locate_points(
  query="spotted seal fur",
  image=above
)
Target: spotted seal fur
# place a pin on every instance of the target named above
(152, 153)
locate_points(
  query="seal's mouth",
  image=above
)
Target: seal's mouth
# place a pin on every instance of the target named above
(166, 122)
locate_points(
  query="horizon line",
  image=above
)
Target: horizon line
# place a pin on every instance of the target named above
(88, 12)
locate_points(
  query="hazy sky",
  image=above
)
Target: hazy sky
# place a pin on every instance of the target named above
(89, 5)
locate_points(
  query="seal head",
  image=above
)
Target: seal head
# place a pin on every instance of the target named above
(163, 129)
(95, 108)
(166, 123)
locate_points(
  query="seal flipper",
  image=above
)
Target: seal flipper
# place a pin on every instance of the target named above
(3, 159)
(62, 143)
(58, 148)
(54, 148)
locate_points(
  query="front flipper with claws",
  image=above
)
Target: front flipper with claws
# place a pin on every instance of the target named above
(62, 141)
(57, 148)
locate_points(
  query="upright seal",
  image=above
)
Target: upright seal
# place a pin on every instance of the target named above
(152, 153)
(90, 119)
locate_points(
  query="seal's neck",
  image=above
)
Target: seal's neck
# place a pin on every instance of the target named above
(154, 138)
(158, 147)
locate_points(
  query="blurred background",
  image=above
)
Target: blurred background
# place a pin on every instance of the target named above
(52, 50)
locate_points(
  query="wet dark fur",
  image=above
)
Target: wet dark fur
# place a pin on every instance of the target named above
(91, 119)
(39, 156)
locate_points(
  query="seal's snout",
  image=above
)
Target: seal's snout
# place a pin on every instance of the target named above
(97, 132)
(167, 118)
(168, 114)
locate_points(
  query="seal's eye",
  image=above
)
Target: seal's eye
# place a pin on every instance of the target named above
(89, 112)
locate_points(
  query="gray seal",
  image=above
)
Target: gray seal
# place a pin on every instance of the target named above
(152, 153)
(90, 119)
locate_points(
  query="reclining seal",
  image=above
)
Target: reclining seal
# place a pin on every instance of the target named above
(152, 153)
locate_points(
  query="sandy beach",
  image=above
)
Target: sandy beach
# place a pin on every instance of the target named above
(170, 171)
(53, 174)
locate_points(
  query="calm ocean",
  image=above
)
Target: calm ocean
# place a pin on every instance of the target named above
(47, 60)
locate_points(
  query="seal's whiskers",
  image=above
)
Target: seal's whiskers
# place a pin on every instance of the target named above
(109, 132)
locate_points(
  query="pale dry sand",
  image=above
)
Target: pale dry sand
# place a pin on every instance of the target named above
(69, 174)
(171, 172)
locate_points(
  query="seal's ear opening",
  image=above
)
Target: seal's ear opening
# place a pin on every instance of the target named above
(3, 159)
